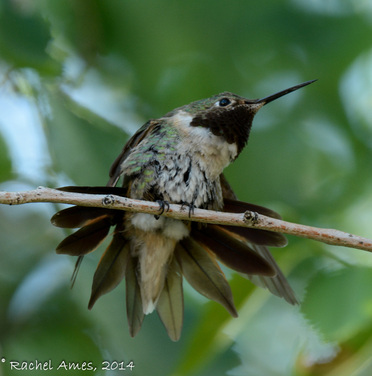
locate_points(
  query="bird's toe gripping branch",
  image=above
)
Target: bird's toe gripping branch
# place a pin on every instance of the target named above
(162, 205)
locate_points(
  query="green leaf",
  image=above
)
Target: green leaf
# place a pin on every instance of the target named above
(24, 37)
(339, 303)
(5, 162)
(82, 149)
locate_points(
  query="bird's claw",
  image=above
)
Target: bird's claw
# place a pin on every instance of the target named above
(190, 206)
(162, 205)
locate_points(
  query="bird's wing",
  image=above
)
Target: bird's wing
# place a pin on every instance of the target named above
(116, 170)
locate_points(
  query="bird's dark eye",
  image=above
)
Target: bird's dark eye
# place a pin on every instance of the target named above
(224, 102)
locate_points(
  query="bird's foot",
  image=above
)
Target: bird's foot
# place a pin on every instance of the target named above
(190, 206)
(162, 205)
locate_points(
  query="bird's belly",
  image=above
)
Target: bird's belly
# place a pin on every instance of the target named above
(168, 227)
(153, 239)
(153, 242)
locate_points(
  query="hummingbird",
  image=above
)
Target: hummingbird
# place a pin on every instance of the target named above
(178, 158)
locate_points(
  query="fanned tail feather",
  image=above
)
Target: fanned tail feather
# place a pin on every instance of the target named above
(170, 302)
(195, 257)
(255, 236)
(259, 237)
(232, 252)
(277, 285)
(204, 274)
(98, 190)
(76, 270)
(257, 240)
(135, 313)
(79, 216)
(87, 239)
(235, 206)
(111, 268)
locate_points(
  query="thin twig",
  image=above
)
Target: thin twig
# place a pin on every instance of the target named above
(247, 219)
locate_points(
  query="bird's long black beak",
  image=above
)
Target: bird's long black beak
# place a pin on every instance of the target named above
(272, 97)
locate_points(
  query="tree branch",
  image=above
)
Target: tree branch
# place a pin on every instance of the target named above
(247, 219)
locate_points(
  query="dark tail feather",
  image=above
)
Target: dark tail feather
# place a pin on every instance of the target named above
(120, 191)
(232, 252)
(135, 313)
(277, 285)
(204, 274)
(111, 268)
(170, 303)
(85, 240)
(76, 270)
(237, 260)
(236, 206)
(79, 216)
(260, 237)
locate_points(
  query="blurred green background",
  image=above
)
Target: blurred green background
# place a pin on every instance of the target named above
(79, 77)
